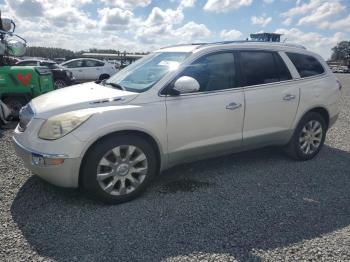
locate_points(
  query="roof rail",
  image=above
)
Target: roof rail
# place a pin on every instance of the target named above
(238, 42)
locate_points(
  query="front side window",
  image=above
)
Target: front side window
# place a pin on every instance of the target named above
(146, 72)
(213, 72)
(306, 65)
(259, 67)
(74, 64)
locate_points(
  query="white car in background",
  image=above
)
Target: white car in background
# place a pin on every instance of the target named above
(88, 69)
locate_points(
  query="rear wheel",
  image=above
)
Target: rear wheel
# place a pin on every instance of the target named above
(308, 138)
(15, 103)
(118, 169)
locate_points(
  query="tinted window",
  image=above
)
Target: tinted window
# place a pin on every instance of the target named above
(92, 63)
(28, 63)
(306, 65)
(213, 72)
(49, 65)
(259, 67)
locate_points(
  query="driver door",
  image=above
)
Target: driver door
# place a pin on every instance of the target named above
(210, 121)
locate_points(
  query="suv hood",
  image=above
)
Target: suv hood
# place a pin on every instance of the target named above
(77, 97)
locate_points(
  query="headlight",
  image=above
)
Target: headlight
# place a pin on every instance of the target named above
(60, 125)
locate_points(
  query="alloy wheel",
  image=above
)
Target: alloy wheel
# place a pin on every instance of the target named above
(310, 137)
(122, 170)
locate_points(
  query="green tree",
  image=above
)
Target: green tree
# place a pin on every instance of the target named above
(341, 52)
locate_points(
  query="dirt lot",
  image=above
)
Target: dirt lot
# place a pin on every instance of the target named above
(252, 206)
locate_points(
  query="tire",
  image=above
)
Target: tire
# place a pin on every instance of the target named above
(117, 183)
(60, 83)
(15, 103)
(103, 77)
(304, 137)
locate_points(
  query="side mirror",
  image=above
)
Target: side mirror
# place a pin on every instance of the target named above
(186, 84)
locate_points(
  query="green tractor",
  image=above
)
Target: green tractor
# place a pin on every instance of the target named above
(19, 84)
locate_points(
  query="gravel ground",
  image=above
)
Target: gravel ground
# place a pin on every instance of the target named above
(251, 206)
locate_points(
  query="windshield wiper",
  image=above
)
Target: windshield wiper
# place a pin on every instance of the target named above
(113, 85)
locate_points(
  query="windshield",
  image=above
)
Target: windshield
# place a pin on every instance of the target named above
(146, 72)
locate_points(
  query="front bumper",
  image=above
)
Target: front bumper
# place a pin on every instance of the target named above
(65, 174)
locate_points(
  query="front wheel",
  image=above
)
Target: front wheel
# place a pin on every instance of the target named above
(118, 169)
(308, 137)
(15, 103)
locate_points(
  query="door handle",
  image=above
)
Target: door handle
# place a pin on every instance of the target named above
(233, 106)
(289, 97)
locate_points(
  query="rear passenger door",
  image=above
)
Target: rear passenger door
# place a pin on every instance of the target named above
(271, 98)
(93, 69)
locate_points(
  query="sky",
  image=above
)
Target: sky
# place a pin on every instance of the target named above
(145, 25)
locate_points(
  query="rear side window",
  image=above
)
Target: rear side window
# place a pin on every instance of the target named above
(259, 67)
(306, 65)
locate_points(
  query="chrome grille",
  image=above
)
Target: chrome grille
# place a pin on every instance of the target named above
(25, 115)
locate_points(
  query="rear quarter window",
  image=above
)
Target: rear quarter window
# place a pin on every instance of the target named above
(306, 65)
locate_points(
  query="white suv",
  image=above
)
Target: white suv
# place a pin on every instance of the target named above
(176, 105)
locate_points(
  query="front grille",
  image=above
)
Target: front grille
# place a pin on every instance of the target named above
(25, 116)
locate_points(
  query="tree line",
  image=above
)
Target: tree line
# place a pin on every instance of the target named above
(341, 53)
(52, 52)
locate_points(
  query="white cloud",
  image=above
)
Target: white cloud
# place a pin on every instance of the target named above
(26, 8)
(114, 18)
(160, 26)
(127, 4)
(261, 20)
(187, 4)
(269, 1)
(225, 5)
(302, 9)
(342, 24)
(287, 21)
(230, 35)
(312, 40)
(322, 12)
(192, 32)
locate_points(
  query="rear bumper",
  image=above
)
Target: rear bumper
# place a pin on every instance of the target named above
(63, 175)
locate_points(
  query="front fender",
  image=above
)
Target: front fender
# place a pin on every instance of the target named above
(149, 119)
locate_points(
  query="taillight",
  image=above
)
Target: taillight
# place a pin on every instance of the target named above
(340, 86)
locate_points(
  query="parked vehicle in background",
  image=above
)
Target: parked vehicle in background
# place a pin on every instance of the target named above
(88, 69)
(343, 69)
(177, 105)
(59, 60)
(340, 69)
(62, 77)
(5, 114)
(18, 84)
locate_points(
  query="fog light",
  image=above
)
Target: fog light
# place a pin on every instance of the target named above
(39, 160)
